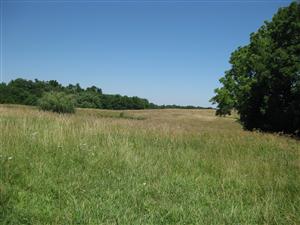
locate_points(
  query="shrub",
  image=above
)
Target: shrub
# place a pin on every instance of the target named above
(57, 102)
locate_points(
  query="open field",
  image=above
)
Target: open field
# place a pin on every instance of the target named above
(143, 167)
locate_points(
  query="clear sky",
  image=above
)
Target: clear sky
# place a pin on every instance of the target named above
(167, 51)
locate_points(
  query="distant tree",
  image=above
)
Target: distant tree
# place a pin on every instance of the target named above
(21, 91)
(4, 95)
(88, 99)
(59, 102)
(94, 89)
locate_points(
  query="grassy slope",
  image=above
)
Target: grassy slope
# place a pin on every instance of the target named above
(170, 167)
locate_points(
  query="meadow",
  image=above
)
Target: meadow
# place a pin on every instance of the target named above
(143, 167)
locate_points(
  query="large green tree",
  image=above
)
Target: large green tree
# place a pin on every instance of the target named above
(263, 84)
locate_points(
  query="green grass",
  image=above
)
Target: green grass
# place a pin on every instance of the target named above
(171, 167)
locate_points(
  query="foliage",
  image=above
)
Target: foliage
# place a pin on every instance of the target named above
(263, 83)
(21, 91)
(27, 92)
(180, 107)
(88, 99)
(124, 102)
(58, 102)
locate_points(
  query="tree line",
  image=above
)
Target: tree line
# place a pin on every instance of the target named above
(263, 84)
(28, 92)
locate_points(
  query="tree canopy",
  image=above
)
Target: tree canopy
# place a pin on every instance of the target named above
(263, 84)
(59, 102)
(27, 92)
(21, 91)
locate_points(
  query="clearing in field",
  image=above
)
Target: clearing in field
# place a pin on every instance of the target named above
(143, 167)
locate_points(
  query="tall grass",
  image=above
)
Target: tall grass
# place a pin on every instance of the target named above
(173, 167)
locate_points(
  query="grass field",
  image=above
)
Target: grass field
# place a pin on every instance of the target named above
(143, 167)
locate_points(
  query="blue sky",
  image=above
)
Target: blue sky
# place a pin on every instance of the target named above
(168, 51)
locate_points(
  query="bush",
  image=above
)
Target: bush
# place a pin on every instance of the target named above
(57, 102)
